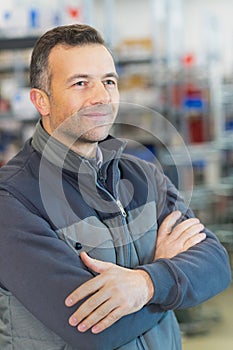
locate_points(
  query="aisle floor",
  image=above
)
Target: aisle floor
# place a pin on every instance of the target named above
(220, 334)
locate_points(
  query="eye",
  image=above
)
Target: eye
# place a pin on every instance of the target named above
(81, 83)
(110, 82)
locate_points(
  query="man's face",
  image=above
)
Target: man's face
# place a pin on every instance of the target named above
(84, 94)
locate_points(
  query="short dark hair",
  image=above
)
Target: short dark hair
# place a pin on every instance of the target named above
(67, 35)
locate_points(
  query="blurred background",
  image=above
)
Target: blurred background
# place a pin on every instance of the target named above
(175, 61)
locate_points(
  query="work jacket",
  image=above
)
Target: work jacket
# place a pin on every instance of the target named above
(55, 204)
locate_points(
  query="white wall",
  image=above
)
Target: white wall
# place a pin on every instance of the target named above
(209, 29)
(207, 26)
(127, 18)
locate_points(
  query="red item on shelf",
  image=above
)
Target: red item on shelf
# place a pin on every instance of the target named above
(196, 129)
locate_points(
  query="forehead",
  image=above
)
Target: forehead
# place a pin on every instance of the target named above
(92, 59)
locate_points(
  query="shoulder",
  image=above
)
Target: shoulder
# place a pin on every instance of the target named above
(18, 166)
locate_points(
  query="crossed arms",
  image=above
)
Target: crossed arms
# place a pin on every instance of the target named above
(50, 270)
(118, 291)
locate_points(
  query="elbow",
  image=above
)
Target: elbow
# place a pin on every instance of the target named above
(226, 271)
(228, 274)
(220, 278)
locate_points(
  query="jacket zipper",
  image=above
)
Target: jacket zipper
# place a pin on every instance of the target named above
(123, 214)
(120, 206)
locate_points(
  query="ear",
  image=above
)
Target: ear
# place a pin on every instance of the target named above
(41, 101)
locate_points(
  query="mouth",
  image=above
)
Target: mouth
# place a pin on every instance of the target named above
(100, 111)
(96, 115)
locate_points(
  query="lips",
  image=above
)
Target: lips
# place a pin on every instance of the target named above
(100, 111)
(95, 115)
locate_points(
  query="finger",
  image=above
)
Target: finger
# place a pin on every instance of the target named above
(108, 321)
(94, 264)
(188, 233)
(87, 288)
(97, 316)
(168, 223)
(184, 226)
(90, 286)
(192, 241)
(195, 229)
(88, 307)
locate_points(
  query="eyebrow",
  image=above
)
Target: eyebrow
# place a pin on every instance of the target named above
(85, 76)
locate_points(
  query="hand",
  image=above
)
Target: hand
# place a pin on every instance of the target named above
(114, 293)
(173, 239)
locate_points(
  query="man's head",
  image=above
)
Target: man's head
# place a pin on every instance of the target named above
(69, 35)
(74, 86)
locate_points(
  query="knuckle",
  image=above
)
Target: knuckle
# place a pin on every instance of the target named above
(113, 317)
(109, 320)
(180, 246)
(101, 312)
(91, 303)
(115, 289)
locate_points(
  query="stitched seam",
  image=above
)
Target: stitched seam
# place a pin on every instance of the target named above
(11, 323)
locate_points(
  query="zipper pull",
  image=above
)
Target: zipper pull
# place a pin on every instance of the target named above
(120, 206)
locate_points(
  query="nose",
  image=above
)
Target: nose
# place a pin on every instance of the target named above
(99, 94)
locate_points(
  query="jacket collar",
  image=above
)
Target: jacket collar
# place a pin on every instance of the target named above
(60, 155)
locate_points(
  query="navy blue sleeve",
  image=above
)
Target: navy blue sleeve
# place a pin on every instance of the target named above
(193, 276)
(41, 270)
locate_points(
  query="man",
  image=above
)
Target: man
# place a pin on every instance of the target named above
(98, 247)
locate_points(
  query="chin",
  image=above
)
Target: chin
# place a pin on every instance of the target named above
(96, 135)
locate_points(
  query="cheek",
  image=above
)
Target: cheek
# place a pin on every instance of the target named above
(116, 98)
(74, 103)
(65, 107)
(116, 101)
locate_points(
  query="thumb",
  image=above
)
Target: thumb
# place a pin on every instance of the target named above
(168, 223)
(94, 264)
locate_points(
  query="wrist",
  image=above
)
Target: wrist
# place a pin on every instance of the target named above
(149, 286)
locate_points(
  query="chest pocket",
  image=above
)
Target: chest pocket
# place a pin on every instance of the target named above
(92, 236)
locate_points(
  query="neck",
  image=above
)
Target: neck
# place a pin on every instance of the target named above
(84, 148)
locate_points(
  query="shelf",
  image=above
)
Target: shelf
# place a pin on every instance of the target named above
(10, 116)
(132, 60)
(6, 115)
(225, 143)
(19, 43)
(10, 68)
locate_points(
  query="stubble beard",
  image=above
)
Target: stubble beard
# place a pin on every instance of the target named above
(83, 127)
